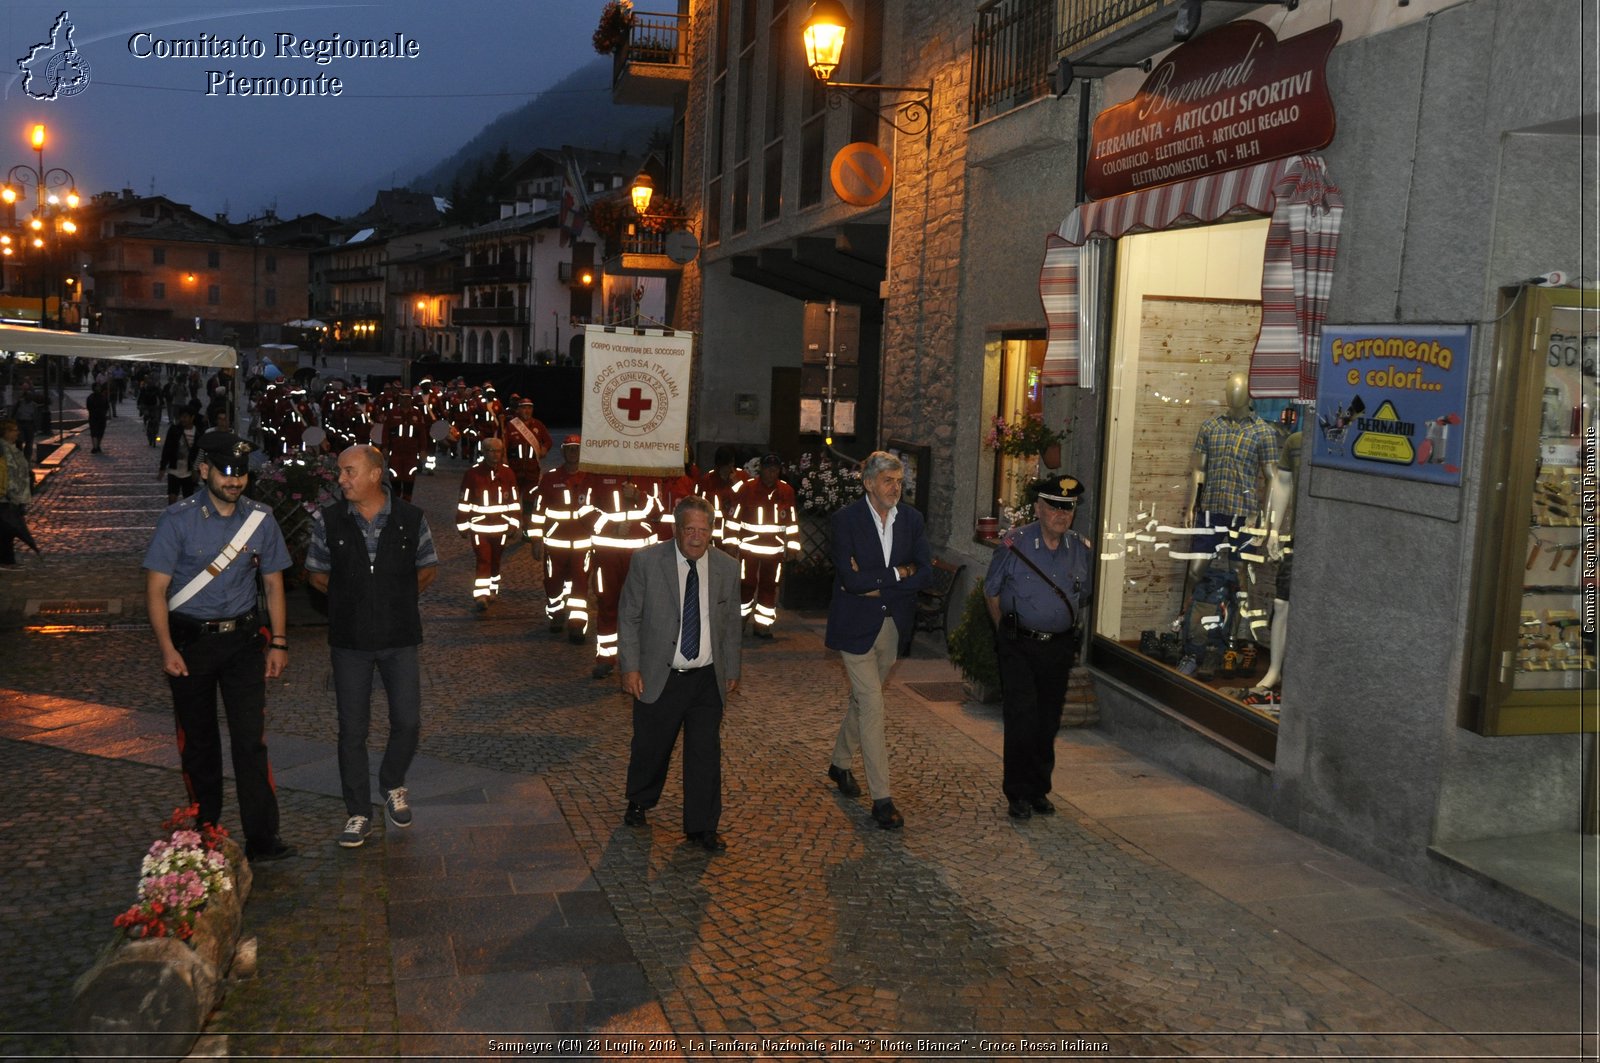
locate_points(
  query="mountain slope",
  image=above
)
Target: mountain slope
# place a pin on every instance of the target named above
(575, 110)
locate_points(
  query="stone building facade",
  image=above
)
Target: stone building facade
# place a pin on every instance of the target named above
(1462, 177)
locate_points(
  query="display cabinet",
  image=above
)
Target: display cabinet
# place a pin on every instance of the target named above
(1532, 665)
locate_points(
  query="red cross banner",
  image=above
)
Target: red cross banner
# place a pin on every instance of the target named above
(636, 400)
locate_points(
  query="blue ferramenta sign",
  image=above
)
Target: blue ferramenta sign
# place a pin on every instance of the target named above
(1392, 400)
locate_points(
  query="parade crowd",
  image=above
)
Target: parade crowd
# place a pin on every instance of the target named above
(665, 571)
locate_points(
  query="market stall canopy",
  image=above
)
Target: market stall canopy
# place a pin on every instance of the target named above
(125, 348)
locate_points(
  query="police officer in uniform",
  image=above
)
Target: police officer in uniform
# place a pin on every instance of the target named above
(200, 590)
(1036, 588)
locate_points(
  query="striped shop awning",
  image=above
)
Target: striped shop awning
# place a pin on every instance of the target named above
(1302, 242)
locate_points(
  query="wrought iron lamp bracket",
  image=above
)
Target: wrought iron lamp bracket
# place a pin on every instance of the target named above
(913, 112)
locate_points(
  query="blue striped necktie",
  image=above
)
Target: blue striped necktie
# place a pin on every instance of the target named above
(689, 641)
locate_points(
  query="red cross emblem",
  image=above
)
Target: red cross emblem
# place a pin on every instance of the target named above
(635, 404)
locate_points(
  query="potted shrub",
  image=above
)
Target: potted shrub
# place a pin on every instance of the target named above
(972, 648)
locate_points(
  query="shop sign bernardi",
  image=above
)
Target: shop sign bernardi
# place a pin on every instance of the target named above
(1234, 97)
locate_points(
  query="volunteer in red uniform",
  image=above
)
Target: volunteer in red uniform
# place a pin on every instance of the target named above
(764, 524)
(559, 528)
(527, 442)
(717, 487)
(405, 443)
(489, 514)
(623, 520)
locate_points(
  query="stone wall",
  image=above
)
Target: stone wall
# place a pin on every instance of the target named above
(920, 350)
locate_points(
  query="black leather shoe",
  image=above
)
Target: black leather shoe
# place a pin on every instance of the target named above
(601, 669)
(888, 817)
(556, 626)
(845, 781)
(575, 635)
(709, 840)
(1017, 808)
(1042, 806)
(276, 849)
(634, 817)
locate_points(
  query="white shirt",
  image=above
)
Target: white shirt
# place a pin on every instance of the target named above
(703, 571)
(885, 529)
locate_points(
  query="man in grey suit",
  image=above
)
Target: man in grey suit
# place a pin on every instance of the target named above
(678, 635)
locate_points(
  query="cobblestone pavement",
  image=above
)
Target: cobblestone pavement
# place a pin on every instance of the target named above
(1149, 914)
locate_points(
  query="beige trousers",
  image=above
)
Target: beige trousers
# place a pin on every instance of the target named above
(862, 727)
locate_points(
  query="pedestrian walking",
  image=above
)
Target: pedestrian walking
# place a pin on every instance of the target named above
(99, 407)
(201, 590)
(16, 490)
(678, 646)
(26, 413)
(180, 452)
(148, 399)
(1038, 581)
(488, 515)
(373, 555)
(881, 558)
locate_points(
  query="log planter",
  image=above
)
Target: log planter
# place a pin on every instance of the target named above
(150, 998)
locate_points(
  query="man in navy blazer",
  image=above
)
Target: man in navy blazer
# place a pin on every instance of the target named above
(880, 560)
(680, 664)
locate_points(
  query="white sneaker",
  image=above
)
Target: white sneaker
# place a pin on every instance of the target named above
(396, 808)
(356, 829)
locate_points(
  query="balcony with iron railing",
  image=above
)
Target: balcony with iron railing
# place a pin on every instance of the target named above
(348, 274)
(650, 67)
(495, 273)
(643, 252)
(1016, 44)
(489, 315)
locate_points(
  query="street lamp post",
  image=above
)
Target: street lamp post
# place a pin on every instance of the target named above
(55, 196)
(823, 32)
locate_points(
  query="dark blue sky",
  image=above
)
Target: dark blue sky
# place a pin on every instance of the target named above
(151, 118)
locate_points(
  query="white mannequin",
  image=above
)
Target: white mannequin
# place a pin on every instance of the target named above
(1280, 522)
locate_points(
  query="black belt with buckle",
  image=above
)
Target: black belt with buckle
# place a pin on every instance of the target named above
(688, 671)
(242, 622)
(1039, 636)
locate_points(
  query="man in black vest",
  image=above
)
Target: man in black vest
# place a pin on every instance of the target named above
(373, 555)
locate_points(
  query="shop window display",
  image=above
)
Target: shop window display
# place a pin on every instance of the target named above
(1533, 655)
(1195, 543)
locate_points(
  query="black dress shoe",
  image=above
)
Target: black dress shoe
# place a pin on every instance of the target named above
(557, 626)
(888, 817)
(845, 781)
(1042, 805)
(276, 849)
(601, 669)
(1017, 808)
(709, 840)
(634, 817)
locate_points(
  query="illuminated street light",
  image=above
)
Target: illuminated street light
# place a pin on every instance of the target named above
(824, 32)
(50, 208)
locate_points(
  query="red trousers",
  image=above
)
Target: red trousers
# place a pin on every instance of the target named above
(610, 568)
(487, 549)
(566, 584)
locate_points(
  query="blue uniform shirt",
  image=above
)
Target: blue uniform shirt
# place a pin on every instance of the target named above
(189, 536)
(1020, 589)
